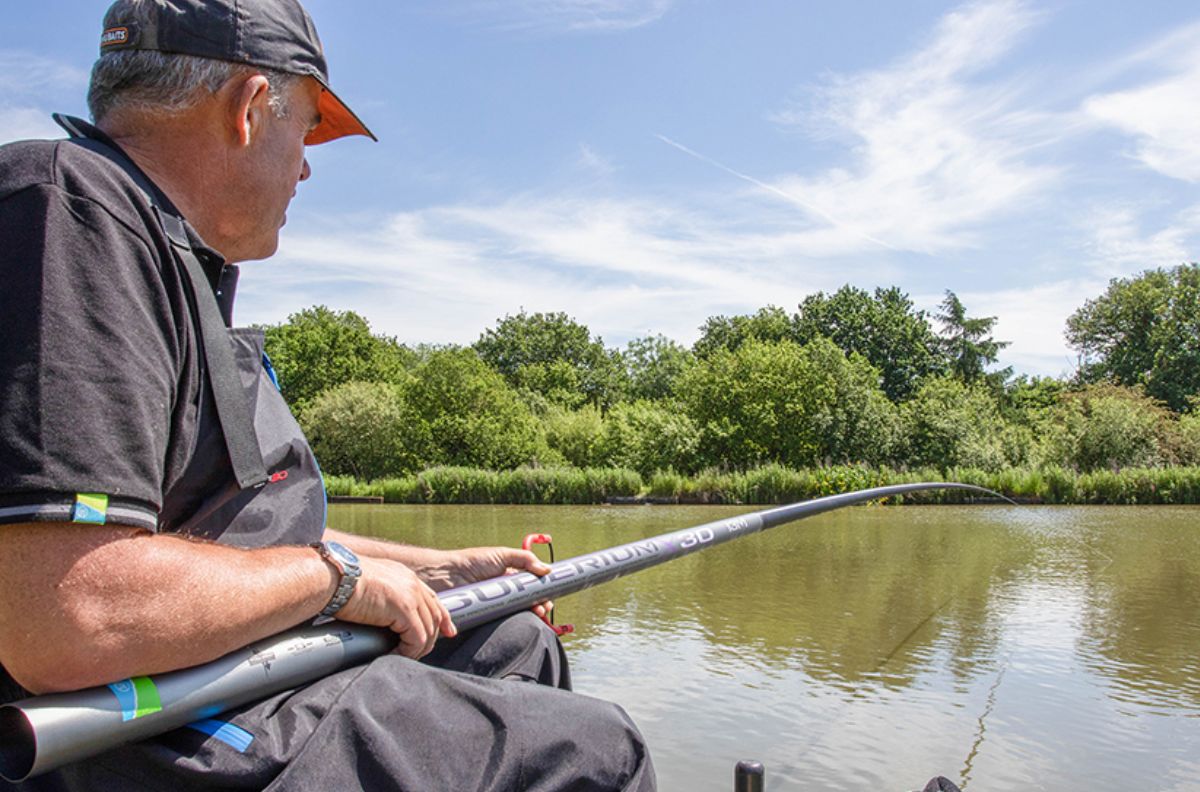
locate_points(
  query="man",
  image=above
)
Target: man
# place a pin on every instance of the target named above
(161, 508)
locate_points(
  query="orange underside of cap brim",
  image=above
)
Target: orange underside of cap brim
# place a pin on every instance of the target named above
(337, 121)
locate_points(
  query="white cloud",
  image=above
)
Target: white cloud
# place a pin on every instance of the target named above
(1162, 116)
(29, 84)
(624, 268)
(29, 74)
(1033, 320)
(572, 15)
(1118, 245)
(936, 151)
(26, 123)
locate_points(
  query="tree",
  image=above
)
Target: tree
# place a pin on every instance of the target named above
(1144, 331)
(730, 332)
(367, 430)
(575, 434)
(318, 349)
(474, 417)
(1105, 426)
(555, 356)
(968, 342)
(653, 364)
(648, 436)
(883, 328)
(949, 423)
(781, 402)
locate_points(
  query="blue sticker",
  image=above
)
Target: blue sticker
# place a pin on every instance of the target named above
(234, 736)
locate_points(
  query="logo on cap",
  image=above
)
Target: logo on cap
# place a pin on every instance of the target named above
(114, 37)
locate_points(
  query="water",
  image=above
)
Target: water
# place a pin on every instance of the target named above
(1007, 648)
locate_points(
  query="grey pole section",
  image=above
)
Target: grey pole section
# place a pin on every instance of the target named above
(44, 732)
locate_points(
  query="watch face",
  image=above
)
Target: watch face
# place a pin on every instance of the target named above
(342, 552)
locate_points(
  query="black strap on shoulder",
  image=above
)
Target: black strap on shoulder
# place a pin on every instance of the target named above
(233, 408)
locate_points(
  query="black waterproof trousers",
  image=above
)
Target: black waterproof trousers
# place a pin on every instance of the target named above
(490, 710)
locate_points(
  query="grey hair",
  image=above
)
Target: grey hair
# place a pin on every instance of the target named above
(170, 83)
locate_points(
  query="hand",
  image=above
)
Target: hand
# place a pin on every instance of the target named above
(389, 594)
(449, 568)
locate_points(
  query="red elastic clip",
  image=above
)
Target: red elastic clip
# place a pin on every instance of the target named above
(277, 477)
(528, 542)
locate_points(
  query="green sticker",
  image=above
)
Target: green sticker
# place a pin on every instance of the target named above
(90, 508)
(136, 697)
(147, 697)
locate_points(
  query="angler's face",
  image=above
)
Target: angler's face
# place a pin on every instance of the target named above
(274, 163)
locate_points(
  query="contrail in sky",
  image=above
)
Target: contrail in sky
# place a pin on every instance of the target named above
(773, 189)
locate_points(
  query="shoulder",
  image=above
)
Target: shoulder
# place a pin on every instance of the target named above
(74, 174)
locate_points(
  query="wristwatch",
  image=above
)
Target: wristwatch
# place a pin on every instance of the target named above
(346, 563)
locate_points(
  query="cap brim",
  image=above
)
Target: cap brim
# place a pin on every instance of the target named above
(337, 120)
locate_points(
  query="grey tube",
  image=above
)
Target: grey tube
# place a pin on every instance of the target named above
(44, 732)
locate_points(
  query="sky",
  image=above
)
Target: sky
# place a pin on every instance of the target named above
(642, 165)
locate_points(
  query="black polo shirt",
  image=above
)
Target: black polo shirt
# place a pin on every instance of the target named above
(100, 377)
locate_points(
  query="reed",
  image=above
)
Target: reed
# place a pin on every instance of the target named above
(773, 484)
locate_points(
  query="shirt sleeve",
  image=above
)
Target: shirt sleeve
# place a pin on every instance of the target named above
(89, 357)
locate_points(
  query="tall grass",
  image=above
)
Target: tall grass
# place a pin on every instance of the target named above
(773, 484)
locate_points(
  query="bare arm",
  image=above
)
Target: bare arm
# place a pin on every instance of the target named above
(443, 569)
(86, 605)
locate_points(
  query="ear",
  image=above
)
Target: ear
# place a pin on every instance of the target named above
(246, 106)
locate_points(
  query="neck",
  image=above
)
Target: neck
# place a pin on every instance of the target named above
(183, 158)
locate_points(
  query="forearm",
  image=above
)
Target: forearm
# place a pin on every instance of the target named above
(85, 605)
(419, 559)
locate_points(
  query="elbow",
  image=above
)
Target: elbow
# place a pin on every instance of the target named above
(63, 653)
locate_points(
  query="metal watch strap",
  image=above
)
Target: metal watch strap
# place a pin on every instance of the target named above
(349, 574)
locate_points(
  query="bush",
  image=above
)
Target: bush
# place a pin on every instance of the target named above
(474, 417)
(949, 424)
(781, 402)
(366, 430)
(648, 436)
(1107, 427)
(576, 435)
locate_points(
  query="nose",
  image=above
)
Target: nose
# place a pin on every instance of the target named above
(305, 170)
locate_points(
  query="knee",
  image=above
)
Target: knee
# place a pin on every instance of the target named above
(607, 751)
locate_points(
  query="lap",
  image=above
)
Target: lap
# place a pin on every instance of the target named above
(463, 719)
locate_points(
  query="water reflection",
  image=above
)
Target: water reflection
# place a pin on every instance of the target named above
(874, 647)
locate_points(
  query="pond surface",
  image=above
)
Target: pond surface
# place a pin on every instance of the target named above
(1007, 648)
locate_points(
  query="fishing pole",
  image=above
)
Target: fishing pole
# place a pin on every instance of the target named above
(45, 732)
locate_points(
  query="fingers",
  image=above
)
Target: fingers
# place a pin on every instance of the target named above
(389, 594)
(523, 560)
(542, 609)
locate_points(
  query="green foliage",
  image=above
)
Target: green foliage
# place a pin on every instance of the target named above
(653, 364)
(781, 402)
(473, 485)
(1025, 399)
(730, 332)
(951, 424)
(1107, 427)
(555, 356)
(472, 415)
(884, 328)
(318, 349)
(575, 434)
(1115, 332)
(968, 342)
(775, 484)
(366, 430)
(1144, 331)
(647, 436)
